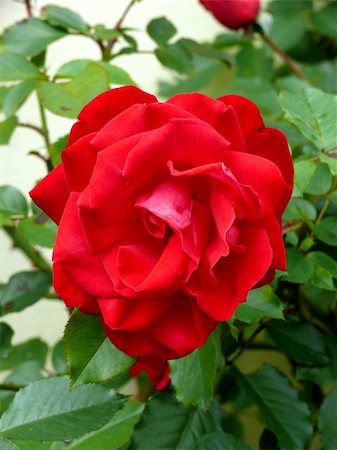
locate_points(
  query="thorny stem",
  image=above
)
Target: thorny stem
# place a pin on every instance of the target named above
(29, 8)
(21, 242)
(32, 127)
(288, 61)
(45, 132)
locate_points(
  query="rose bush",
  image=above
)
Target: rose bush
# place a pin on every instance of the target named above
(169, 214)
(233, 13)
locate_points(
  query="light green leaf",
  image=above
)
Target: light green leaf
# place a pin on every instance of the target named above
(260, 303)
(103, 33)
(17, 96)
(313, 112)
(56, 149)
(58, 357)
(254, 62)
(12, 202)
(64, 18)
(5, 444)
(47, 410)
(15, 67)
(30, 37)
(115, 434)
(24, 373)
(322, 375)
(176, 57)
(6, 334)
(35, 445)
(281, 409)
(22, 290)
(327, 420)
(299, 209)
(326, 230)
(39, 230)
(34, 349)
(331, 160)
(304, 171)
(193, 376)
(161, 30)
(166, 425)
(90, 355)
(7, 128)
(58, 100)
(321, 180)
(300, 341)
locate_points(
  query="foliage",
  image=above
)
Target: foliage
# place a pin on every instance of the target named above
(277, 357)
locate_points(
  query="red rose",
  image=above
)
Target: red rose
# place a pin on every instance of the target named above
(169, 213)
(233, 13)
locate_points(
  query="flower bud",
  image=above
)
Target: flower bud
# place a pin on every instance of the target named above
(233, 13)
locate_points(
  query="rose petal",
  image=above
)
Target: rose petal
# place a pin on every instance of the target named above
(51, 194)
(156, 368)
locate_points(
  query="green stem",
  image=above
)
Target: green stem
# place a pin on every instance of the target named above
(27, 249)
(120, 23)
(11, 387)
(44, 127)
(327, 201)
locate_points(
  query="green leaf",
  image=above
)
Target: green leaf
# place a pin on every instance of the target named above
(324, 20)
(325, 261)
(327, 420)
(56, 149)
(219, 440)
(34, 349)
(58, 357)
(115, 434)
(103, 33)
(68, 99)
(281, 409)
(254, 62)
(304, 171)
(6, 397)
(193, 376)
(15, 67)
(313, 113)
(331, 160)
(24, 373)
(299, 209)
(17, 96)
(300, 341)
(321, 180)
(323, 75)
(22, 290)
(12, 202)
(116, 74)
(35, 445)
(299, 267)
(90, 355)
(7, 128)
(6, 334)
(161, 30)
(166, 425)
(5, 444)
(30, 37)
(322, 375)
(260, 303)
(64, 18)
(39, 230)
(47, 410)
(175, 56)
(326, 230)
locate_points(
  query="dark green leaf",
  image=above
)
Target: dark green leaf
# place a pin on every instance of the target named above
(322, 375)
(6, 396)
(115, 434)
(176, 57)
(34, 349)
(17, 96)
(15, 67)
(280, 406)
(166, 425)
(327, 421)
(64, 18)
(299, 267)
(193, 376)
(161, 30)
(300, 341)
(58, 357)
(299, 209)
(56, 149)
(30, 37)
(325, 261)
(6, 334)
(323, 75)
(39, 230)
(5, 444)
(219, 440)
(90, 355)
(321, 180)
(12, 202)
(326, 230)
(7, 128)
(47, 410)
(24, 373)
(324, 20)
(22, 290)
(254, 62)
(313, 113)
(304, 171)
(260, 303)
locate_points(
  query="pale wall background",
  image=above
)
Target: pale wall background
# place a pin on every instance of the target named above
(47, 318)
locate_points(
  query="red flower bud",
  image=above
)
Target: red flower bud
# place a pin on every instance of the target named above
(233, 13)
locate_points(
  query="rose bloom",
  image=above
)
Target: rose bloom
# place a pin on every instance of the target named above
(168, 213)
(233, 13)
